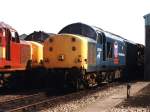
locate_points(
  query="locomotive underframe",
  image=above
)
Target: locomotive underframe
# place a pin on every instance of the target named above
(80, 78)
(12, 78)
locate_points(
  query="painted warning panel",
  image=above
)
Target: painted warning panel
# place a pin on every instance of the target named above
(116, 58)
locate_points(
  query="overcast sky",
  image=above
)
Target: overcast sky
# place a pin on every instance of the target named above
(122, 17)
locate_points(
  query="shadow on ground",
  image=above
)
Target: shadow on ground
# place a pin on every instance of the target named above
(140, 100)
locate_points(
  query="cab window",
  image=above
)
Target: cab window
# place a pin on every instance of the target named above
(1, 33)
(104, 47)
(7, 36)
(99, 38)
(0, 41)
(15, 37)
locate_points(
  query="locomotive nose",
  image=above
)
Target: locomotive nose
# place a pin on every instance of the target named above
(65, 51)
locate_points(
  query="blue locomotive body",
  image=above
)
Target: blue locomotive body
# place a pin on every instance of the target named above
(108, 57)
(112, 52)
(110, 48)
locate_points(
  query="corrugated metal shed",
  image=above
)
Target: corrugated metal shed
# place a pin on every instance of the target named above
(23, 36)
(147, 48)
(38, 36)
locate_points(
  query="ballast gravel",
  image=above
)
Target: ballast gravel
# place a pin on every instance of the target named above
(80, 101)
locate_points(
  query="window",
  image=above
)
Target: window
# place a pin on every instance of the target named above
(104, 47)
(1, 31)
(109, 50)
(0, 41)
(99, 38)
(15, 37)
(4, 32)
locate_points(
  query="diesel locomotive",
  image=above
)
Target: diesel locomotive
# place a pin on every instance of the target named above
(80, 56)
(36, 74)
(16, 55)
(83, 56)
(36, 39)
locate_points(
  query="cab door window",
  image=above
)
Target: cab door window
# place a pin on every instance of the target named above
(8, 39)
(99, 38)
(104, 47)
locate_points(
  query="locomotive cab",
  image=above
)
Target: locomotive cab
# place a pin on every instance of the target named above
(12, 55)
(6, 41)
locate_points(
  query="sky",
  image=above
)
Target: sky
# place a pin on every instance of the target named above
(122, 17)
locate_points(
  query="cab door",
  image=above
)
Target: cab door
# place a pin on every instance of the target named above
(12, 52)
(15, 50)
(7, 45)
(2, 47)
(99, 47)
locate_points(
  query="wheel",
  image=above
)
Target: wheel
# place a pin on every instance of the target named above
(118, 74)
(111, 77)
(29, 65)
(7, 79)
(79, 84)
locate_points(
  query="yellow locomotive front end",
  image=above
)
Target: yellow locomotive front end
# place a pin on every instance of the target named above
(68, 59)
(65, 51)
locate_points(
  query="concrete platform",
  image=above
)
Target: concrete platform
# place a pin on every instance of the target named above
(106, 104)
(141, 100)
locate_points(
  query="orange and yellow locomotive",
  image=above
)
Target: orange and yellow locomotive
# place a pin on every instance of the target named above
(16, 55)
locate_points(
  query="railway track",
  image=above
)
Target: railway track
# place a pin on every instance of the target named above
(42, 101)
(22, 101)
(36, 105)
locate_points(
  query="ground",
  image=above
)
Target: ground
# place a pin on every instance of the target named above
(139, 102)
(113, 99)
(109, 104)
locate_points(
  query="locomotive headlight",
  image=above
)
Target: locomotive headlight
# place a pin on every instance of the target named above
(78, 59)
(61, 57)
(86, 61)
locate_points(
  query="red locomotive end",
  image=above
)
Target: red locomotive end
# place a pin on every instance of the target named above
(14, 54)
